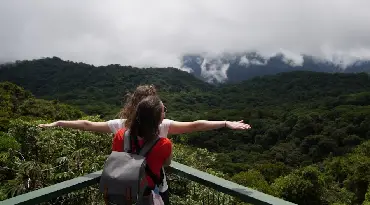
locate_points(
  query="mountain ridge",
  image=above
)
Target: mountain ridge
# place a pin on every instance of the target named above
(231, 68)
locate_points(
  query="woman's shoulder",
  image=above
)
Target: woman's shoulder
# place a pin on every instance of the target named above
(166, 122)
(116, 121)
(164, 127)
(164, 144)
(164, 140)
(163, 147)
(116, 124)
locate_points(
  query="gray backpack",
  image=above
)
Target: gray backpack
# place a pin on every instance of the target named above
(123, 180)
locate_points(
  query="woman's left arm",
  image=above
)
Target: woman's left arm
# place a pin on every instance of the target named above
(204, 125)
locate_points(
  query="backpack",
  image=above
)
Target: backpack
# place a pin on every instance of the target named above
(123, 180)
(118, 146)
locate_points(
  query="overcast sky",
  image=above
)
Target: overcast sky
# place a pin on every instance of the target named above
(158, 32)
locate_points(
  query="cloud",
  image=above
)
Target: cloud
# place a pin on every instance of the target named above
(186, 69)
(246, 61)
(214, 70)
(157, 33)
(294, 59)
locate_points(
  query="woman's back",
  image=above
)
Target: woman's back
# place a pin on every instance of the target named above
(155, 159)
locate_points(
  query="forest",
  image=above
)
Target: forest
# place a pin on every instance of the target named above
(309, 142)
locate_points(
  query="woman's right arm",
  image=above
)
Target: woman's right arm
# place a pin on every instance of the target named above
(81, 125)
(203, 125)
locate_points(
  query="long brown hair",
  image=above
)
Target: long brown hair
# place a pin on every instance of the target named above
(132, 100)
(147, 118)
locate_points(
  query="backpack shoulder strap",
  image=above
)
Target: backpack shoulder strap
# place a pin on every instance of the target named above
(127, 142)
(147, 147)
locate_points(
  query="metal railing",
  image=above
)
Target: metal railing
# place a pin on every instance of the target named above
(235, 191)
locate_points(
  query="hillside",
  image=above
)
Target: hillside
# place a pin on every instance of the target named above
(15, 102)
(296, 87)
(93, 89)
(309, 133)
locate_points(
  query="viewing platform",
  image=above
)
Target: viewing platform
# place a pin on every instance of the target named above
(187, 185)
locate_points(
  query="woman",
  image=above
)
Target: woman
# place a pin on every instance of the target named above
(166, 127)
(148, 116)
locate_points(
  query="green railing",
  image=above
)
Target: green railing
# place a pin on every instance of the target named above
(232, 189)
